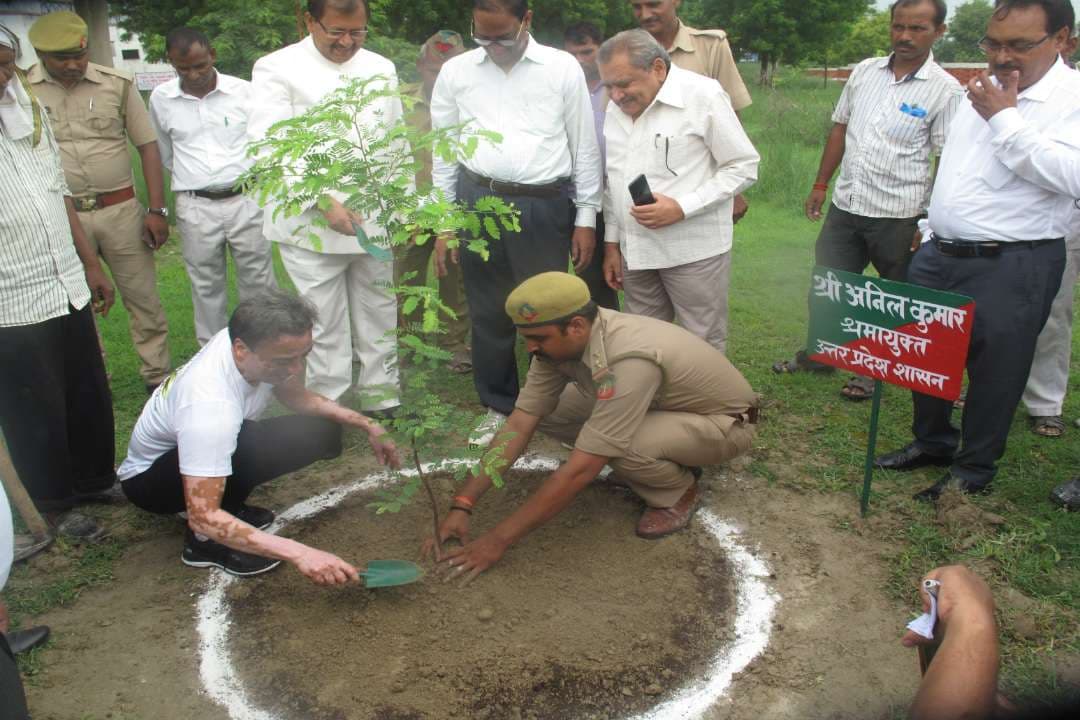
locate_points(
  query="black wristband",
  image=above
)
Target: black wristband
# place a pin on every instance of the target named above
(467, 511)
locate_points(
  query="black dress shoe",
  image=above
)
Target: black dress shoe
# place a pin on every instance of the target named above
(22, 640)
(909, 457)
(932, 493)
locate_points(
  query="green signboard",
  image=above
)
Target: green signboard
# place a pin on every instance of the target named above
(890, 331)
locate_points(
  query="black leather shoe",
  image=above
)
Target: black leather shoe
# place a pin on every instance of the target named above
(1067, 495)
(932, 493)
(22, 640)
(909, 457)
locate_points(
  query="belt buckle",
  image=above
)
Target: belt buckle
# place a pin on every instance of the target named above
(86, 204)
(491, 184)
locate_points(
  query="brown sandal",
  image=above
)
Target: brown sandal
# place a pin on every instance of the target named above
(1048, 426)
(858, 388)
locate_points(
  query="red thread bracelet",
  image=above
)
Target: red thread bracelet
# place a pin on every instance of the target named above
(821, 186)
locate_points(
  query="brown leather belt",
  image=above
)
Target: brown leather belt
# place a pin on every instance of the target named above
(88, 203)
(216, 194)
(750, 417)
(511, 188)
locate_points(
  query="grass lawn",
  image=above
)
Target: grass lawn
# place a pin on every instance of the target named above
(812, 438)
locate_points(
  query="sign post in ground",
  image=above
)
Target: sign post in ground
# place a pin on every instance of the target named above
(892, 332)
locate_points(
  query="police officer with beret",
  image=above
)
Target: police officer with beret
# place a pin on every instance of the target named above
(94, 111)
(642, 395)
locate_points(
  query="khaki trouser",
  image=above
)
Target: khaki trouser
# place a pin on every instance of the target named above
(416, 258)
(695, 294)
(116, 233)
(206, 228)
(665, 446)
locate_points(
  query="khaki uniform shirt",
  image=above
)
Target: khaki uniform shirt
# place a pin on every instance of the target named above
(419, 118)
(91, 128)
(633, 364)
(708, 53)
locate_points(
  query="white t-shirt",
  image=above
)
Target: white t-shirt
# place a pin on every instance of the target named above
(199, 409)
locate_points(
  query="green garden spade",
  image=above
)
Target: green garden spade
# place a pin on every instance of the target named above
(387, 573)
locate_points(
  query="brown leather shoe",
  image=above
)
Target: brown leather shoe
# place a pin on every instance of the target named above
(658, 522)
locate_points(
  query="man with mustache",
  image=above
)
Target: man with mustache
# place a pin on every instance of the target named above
(547, 165)
(347, 285)
(671, 257)
(640, 394)
(891, 120)
(200, 446)
(1002, 203)
(705, 52)
(200, 119)
(95, 111)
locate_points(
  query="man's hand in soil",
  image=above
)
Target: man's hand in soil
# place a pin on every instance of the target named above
(384, 448)
(455, 525)
(474, 558)
(961, 681)
(324, 568)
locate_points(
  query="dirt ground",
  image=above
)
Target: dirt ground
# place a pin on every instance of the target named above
(580, 620)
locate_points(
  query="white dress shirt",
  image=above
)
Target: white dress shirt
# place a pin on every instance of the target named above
(543, 112)
(1017, 176)
(691, 147)
(203, 141)
(893, 128)
(288, 82)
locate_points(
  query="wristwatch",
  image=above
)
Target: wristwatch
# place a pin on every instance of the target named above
(162, 211)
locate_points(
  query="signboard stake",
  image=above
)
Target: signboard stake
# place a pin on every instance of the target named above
(871, 447)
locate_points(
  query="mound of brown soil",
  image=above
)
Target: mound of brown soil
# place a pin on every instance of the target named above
(580, 620)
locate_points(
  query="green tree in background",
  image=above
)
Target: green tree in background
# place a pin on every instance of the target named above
(788, 31)
(869, 37)
(966, 28)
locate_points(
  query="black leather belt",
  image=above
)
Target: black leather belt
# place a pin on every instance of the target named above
(511, 188)
(983, 248)
(216, 194)
(750, 417)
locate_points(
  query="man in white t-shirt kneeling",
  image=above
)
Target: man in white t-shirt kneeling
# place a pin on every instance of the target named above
(199, 445)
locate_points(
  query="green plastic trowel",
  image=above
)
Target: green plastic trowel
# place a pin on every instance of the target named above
(387, 573)
(376, 251)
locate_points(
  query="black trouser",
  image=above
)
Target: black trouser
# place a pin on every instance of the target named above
(12, 697)
(56, 409)
(543, 245)
(593, 275)
(1013, 292)
(851, 242)
(265, 449)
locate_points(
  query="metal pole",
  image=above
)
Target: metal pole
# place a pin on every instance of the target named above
(870, 448)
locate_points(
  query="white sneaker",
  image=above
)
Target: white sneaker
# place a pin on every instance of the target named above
(484, 433)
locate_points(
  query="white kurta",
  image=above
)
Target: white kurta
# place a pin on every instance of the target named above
(344, 282)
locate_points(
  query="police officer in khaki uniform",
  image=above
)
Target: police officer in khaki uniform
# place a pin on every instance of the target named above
(94, 111)
(706, 52)
(413, 258)
(644, 396)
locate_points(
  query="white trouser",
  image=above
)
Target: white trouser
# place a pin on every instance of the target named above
(1049, 376)
(206, 227)
(354, 306)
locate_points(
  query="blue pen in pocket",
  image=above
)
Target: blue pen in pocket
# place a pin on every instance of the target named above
(913, 110)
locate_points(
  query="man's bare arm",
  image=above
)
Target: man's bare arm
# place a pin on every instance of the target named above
(831, 157)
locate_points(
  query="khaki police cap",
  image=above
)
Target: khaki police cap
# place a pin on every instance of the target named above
(59, 32)
(546, 298)
(443, 45)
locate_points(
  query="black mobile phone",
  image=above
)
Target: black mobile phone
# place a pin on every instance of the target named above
(640, 192)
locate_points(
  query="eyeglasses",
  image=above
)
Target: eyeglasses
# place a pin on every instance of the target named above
(355, 35)
(1016, 47)
(484, 42)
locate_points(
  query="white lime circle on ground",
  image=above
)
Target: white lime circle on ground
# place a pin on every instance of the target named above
(755, 603)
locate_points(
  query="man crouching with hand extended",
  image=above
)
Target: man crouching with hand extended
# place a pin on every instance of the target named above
(645, 396)
(198, 445)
